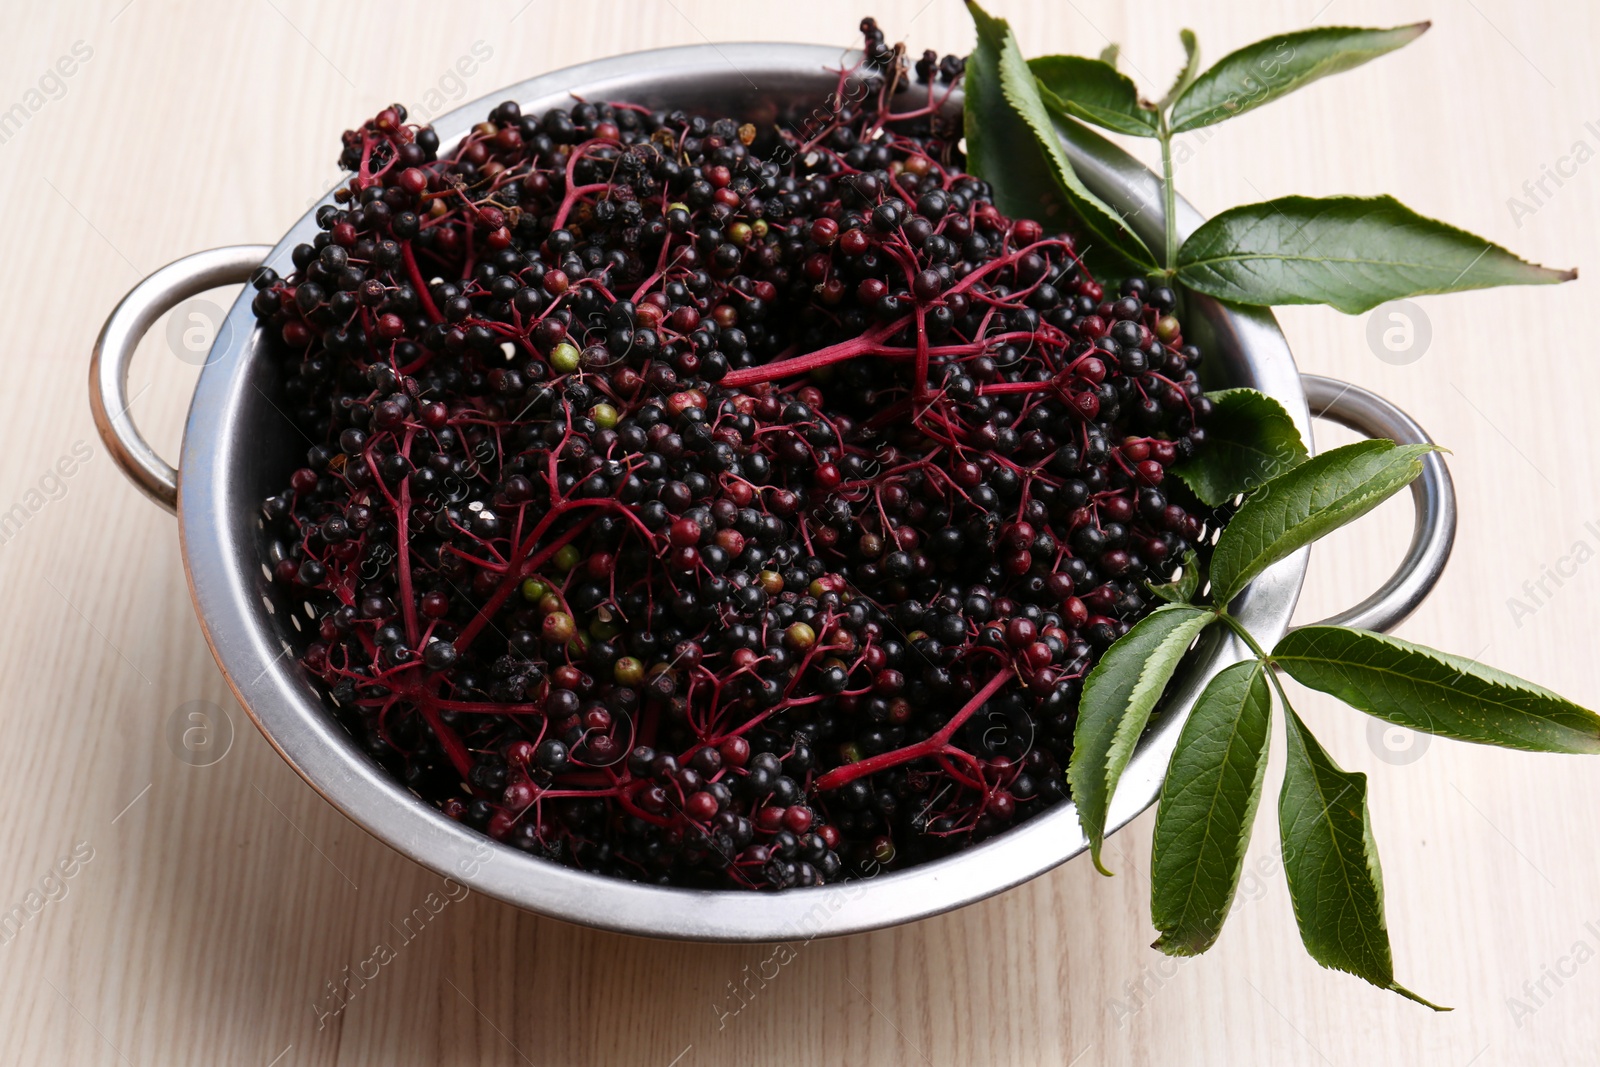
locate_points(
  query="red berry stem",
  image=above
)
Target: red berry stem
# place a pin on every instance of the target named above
(521, 565)
(937, 743)
(865, 345)
(868, 344)
(415, 273)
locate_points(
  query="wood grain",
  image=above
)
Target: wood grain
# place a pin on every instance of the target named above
(217, 901)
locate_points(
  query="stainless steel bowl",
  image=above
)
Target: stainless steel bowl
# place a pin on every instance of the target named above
(238, 447)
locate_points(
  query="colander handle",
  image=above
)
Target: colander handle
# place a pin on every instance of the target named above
(1433, 495)
(113, 352)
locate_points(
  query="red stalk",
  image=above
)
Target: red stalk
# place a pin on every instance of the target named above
(865, 345)
(868, 343)
(932, 746)
(416, 281)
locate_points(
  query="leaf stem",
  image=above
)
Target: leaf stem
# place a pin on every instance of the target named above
(1244, 635)
(1169, 194)
(1277, 683)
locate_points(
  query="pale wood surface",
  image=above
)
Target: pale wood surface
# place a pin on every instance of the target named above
(218, 900)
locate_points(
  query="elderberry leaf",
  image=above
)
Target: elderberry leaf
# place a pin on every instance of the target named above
(1182, 589)
(1191, 67)
(1350, 252)
(1012, 144)
(1098, 257)
(1331, 863)
(1094, 91)
(1208, 804)
(1250, 439)
(1424, 689)
(1111, 53)
(1000, 147)
(1308, 502)
(1118, 696)
(1260, 73)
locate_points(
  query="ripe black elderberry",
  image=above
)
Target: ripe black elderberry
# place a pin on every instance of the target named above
(701, 510)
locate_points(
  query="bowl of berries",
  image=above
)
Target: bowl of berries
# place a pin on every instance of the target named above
(675, 495)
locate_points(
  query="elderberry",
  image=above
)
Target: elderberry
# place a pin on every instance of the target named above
(701, 511)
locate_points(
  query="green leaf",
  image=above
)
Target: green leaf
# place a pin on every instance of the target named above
(1118, 697)
(1424, 689)
(1098, 257)
(1250, 439)
(1006, 126)
(1111, 53)
(1093, 91)
(1183, 589)
(1260, 73)
(1000, 146)
(1351, 252)
(1191, 67)
(1208, 804)
(1331, 862)
(1312, 500)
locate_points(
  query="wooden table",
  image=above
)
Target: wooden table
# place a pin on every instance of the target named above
(209, 906)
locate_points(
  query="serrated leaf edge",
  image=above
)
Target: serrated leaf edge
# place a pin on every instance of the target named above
(1231, 291)
(1168, 943)
(1295, 728)
(1014, 83)
(1446, 660)
(1108, 776)
(1358, 502)
(1188, 124)
(1186, 471)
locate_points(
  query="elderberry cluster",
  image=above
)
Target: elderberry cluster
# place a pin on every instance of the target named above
(716, 505)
